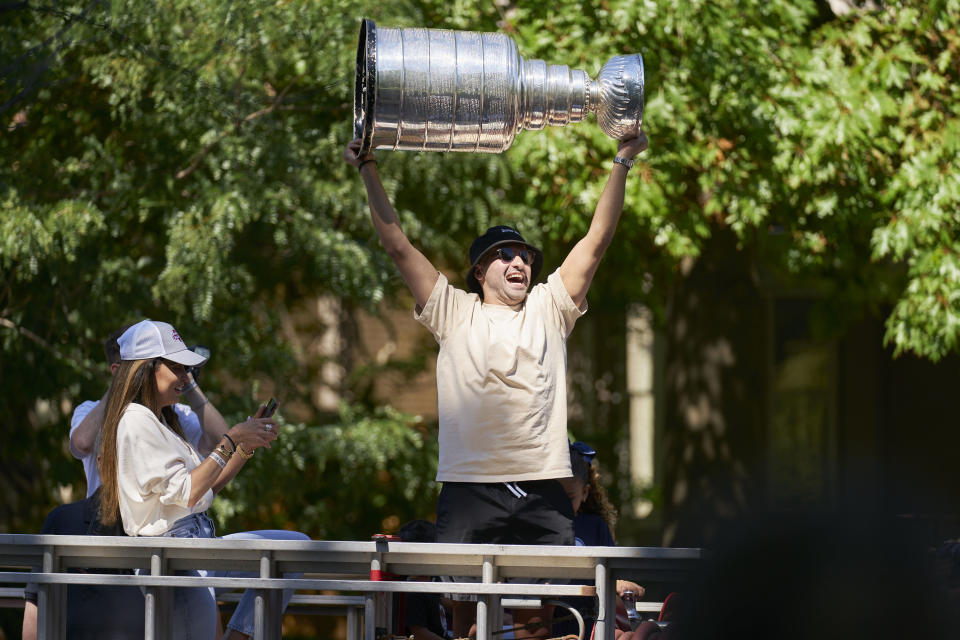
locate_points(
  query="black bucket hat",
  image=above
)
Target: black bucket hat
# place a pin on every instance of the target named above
(493, 238)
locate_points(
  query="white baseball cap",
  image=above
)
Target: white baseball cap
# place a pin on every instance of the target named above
(150, 339)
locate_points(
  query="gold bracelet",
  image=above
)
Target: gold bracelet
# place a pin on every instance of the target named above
(243, 452)
(222, 451)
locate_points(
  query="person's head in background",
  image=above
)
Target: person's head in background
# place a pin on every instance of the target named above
(584, 488)
(111, 348)
(418, 531)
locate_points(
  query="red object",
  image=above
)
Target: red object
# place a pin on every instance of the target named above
(665, 610)
(378, 575)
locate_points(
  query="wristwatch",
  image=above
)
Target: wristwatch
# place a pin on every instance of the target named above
(627, 162)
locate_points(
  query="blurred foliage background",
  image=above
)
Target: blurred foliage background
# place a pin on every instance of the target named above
(181, 161)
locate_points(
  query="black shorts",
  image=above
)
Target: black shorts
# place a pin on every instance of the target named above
(531, 512)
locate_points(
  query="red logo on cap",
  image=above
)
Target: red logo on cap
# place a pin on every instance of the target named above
(176, 336)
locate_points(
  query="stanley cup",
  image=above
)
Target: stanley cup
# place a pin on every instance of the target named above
(442, 90)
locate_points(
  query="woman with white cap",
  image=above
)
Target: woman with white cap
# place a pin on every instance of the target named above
(155, 482)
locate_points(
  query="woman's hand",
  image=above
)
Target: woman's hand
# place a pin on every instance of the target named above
(254, 433)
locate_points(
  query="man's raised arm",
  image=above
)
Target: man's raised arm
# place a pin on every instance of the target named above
(581, 263)
(415, 269)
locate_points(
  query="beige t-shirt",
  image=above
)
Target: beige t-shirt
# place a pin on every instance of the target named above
(501, 382)
(153, 474)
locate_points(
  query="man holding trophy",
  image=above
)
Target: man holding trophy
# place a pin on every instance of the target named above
(501, 368)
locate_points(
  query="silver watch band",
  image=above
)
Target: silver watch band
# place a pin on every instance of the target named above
(627, 162)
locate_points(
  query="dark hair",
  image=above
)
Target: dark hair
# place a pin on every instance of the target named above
(580, 466)
(111, 349)
(418, 531)
(597, 501)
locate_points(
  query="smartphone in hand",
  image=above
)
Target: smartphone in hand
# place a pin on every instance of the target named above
(270, 408)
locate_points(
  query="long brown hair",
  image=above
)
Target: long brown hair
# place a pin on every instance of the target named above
(134, 381)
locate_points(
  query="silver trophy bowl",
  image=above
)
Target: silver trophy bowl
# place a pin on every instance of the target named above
(443, 90)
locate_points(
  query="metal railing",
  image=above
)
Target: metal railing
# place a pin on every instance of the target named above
(345, 567)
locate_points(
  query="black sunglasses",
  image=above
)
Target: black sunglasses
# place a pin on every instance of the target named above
(507, 254)
(175, 367)
(584, 450)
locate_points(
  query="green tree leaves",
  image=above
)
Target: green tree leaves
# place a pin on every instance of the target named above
(366, 473)
(181, 160)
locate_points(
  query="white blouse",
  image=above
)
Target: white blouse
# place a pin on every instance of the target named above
(153, 474)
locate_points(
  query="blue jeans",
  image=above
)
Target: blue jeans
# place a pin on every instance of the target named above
(195, 608)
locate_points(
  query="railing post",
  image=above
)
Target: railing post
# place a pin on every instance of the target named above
(370, 616)
(488, 605)
(267, 621)
(496, 609)
(157, 603)
(353, 623)
(383, 608)
(51, 602)
(607, 606)
(377, 616)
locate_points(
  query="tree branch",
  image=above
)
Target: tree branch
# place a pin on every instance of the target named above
(275, 105)
(4, 322)
(72, 361)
